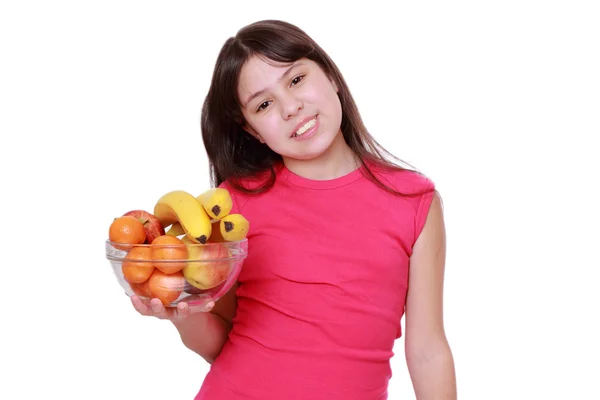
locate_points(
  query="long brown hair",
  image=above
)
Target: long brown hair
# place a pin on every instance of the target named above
(232, 152)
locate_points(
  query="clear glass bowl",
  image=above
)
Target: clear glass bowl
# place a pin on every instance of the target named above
(192, 273)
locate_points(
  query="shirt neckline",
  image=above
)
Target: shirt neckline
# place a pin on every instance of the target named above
(301, 181)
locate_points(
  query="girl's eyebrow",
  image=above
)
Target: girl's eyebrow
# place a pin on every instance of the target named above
(260, 92)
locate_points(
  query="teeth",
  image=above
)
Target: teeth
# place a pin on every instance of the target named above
(306, 127)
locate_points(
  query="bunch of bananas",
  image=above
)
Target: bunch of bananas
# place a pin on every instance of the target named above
(202, 219)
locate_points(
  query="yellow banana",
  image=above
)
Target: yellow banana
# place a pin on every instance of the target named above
(187, 240)
(176, 230)
(234, 227)
(180, 206)
(217, 202)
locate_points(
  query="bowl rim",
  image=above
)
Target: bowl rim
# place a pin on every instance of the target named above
(233, 245)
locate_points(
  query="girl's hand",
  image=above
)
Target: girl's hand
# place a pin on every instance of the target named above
(155, 308)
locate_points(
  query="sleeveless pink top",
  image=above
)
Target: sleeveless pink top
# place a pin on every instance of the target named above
(322, 291)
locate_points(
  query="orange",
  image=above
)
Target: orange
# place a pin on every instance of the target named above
(136, 266)
(142, 289)
(128, 230)
(166, 287)
(169, 249)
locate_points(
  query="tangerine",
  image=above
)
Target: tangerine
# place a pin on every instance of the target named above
(165, 251)
(136, 266)
(166, 287)
(142, 289)
(127, 230)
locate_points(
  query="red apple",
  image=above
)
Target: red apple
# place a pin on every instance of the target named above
(209, 265)
(152, 225)
(191, 289)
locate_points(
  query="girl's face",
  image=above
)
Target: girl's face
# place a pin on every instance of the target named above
(294, 109)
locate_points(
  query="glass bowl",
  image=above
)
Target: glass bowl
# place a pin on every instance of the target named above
(193, 273)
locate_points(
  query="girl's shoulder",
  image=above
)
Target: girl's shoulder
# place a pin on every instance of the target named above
(242, 189)
(414, 191)
(408, 182)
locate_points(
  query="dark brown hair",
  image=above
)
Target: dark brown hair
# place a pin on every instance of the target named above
(234, 154)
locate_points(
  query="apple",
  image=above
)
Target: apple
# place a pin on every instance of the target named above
(191, 289)
(152, 225)
(209, 266)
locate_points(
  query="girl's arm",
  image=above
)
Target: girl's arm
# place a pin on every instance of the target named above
(205, 333)
(428, 355)
(201, 331)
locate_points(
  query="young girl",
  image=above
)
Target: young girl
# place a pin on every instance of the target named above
(342, 242)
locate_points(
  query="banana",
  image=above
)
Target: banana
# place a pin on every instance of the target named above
(176, 230)
(180, 206)
(217, 202)
(234, 227)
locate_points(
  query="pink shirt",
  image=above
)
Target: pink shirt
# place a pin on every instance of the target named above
(323, 289)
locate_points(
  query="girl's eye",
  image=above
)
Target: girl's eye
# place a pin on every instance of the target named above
(263, 106)
(297, 79)
(266, 104)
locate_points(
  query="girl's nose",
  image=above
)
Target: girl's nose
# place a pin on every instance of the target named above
(291, 106)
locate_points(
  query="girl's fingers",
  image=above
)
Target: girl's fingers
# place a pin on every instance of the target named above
(203, 308)
(183, 310)
(158, 310)
(139, 306)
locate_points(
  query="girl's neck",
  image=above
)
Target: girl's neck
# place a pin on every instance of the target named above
(338, 160)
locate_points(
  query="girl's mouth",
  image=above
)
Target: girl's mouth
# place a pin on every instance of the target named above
(305, 128)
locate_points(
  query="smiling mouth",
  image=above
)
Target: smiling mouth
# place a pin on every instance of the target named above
(305, 127)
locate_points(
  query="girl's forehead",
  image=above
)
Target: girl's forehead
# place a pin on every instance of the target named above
(259, 66)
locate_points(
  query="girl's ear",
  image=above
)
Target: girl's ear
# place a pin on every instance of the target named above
(252, 132)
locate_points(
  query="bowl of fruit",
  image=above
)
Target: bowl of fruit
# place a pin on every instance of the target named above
(189, 249)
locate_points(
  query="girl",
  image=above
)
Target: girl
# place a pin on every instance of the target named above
(336, 227)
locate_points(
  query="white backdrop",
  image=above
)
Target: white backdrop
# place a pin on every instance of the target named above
(497, 102)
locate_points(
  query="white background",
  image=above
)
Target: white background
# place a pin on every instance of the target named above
(498, 102)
